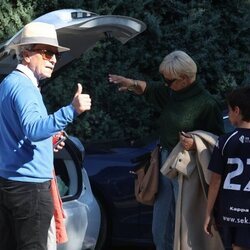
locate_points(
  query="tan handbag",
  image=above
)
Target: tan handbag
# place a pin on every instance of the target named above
(147, 178)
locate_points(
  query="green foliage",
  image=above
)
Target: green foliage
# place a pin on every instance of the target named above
(13, 16)
(215, 33)
(113, 115)
(45, 6)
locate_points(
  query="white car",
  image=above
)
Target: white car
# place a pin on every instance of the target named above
(79, 30)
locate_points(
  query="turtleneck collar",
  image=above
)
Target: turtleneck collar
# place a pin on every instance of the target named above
(187, 92)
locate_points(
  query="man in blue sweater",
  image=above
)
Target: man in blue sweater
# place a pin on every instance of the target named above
(26, 130)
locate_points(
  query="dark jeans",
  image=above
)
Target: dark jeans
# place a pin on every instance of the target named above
(26, 210)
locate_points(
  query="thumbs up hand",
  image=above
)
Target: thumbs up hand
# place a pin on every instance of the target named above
(81, 102)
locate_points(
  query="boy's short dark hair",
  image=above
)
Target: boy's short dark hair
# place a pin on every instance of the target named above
(240, 97)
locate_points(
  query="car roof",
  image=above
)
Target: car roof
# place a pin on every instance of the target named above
(79, 30)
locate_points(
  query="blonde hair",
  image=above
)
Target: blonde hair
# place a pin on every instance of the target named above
(178, 63)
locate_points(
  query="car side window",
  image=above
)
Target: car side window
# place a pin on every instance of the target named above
(66, 173)
(62, 177)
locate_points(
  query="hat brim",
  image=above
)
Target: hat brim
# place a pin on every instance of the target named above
(59, 48)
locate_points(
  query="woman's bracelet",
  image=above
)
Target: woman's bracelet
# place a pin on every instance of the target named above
(133, 86)
(135, 83)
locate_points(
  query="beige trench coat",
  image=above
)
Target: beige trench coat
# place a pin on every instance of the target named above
(193, 179)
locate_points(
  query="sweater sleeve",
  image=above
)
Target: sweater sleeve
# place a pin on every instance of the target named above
(32, 114)
(156, 94)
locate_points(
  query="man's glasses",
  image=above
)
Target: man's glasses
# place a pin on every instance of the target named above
(47, 54)
(168, 82)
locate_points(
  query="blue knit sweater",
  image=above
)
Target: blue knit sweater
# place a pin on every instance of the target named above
(26, 152)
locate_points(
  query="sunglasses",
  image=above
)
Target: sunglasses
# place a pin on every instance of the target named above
(168, 82)
(47, 54)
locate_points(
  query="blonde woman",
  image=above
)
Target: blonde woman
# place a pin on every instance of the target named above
(185, 106)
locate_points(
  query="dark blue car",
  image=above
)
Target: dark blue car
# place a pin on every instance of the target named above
(109, 167)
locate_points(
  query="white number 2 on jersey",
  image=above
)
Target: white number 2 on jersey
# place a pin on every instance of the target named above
(228, 184)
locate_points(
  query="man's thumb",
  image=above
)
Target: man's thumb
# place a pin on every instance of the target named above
(79, 89)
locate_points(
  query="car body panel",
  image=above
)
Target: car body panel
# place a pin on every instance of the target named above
(111, 177)
(81, 208)
(82, 220)
(79, 30)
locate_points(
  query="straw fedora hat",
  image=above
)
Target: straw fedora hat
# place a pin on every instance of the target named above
(39, 33)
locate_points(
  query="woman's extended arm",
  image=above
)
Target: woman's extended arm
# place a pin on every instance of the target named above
(127, 84)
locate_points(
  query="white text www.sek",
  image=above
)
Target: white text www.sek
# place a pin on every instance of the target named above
(238, 220)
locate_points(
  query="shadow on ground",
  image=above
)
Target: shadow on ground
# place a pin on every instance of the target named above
(132, 248)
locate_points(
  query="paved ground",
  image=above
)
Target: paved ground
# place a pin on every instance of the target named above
(132, 248)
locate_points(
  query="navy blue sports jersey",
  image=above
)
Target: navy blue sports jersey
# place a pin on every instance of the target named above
(231, 159)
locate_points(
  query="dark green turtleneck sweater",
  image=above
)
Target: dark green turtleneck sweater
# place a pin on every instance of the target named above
(192, 108)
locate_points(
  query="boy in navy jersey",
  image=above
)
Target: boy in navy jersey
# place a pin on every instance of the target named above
(229, 190)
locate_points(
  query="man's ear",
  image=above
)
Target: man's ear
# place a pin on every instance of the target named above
(26, 56)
